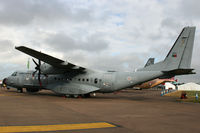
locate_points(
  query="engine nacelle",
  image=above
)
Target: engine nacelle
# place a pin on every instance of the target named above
(49, 69)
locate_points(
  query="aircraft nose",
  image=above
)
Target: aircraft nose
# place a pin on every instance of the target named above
(5, 80)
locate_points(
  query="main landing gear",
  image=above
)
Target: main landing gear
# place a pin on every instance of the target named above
(20, 90)
(79, 95)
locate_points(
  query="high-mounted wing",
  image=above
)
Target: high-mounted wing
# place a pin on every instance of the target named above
(48, 59)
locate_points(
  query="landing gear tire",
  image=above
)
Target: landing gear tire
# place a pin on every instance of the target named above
(94, 94)
(75, 95)
(67, 96)
(71, 96)
(20, 90)
(31, 90)
(87, 95)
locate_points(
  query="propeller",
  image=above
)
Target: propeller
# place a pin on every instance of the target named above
(37, 68)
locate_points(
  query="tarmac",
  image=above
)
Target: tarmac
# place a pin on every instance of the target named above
(127, 111)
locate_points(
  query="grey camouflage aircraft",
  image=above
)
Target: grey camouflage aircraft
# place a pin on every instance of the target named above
(73, 81)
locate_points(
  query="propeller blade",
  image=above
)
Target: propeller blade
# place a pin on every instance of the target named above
(39, 73)
(33, 74)
(39, 62)
(38, 69)
(39, 80)
(35, 62)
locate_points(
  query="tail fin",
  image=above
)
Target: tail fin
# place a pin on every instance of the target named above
(179, 57)
(181, 53)
(150, 62)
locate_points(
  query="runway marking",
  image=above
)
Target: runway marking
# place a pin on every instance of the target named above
(3, 95)
(40, 128)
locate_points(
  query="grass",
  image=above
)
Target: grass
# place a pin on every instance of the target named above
(190, 96)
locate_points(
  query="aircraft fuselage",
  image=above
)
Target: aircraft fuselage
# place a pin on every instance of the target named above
(66, 83)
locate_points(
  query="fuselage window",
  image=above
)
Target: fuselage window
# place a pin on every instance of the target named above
(95, 80)
(79, 79)
(87, 80)
(55, 78)
(83, 80)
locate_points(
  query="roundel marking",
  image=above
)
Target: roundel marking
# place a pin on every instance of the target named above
(129, 78)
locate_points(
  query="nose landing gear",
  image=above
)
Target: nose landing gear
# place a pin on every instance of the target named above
(20, 90)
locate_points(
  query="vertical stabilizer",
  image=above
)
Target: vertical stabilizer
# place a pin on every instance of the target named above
(179, 57)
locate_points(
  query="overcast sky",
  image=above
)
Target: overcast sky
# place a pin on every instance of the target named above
(98, 34)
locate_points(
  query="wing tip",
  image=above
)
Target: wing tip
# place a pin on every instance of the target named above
(17, 47)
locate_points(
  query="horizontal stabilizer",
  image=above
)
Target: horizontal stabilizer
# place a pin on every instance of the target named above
(180, 71)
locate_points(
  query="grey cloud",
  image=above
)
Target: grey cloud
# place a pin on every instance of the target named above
(171, 27)
(196, 54)
(104, 61)
(63, 42)
(6, 45)
(23, 12)
(170, 23)
(127, 62)
(183, 11)
(189, 9)
(7, 69)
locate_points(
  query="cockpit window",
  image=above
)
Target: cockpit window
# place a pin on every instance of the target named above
(14, 74)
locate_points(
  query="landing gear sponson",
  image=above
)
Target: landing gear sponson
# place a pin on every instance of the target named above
(77, 96)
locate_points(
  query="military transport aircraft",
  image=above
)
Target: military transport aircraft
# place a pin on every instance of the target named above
(68, 79)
